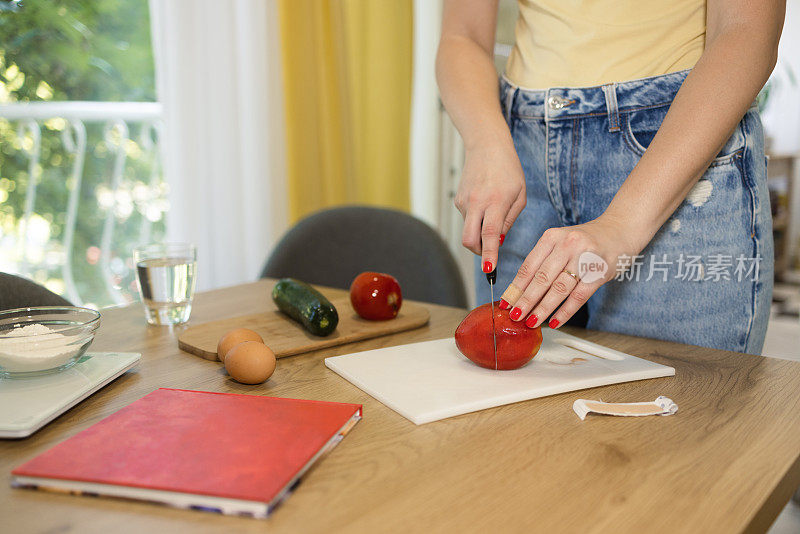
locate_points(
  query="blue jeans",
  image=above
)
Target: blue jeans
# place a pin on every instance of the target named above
(706, 277)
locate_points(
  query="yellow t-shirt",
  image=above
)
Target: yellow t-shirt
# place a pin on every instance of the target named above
(583, 43)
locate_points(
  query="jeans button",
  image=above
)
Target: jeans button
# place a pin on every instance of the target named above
(556, 102)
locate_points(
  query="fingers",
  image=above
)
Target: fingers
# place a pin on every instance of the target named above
(513, 212)
(562, 288)
(545, 285)
(542, 280)
(527, 270)
(484, 232)
(490, 237)
(577, 298)
(471, 236)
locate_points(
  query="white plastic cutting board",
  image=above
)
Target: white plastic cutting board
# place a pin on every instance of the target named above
(27, 404)
(432, 380)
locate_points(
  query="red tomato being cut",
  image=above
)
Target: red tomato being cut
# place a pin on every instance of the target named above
(376, 296)
(516, 343)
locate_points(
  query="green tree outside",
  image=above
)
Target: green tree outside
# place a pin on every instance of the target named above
(90, 50)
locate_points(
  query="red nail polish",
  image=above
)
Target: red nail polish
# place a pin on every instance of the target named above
(487, 266)
(502, 238)
(504, 305)
(531, 321)
(515, 314)
(553, 323)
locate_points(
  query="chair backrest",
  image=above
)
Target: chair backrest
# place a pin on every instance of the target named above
(18, 292)
(333, 246)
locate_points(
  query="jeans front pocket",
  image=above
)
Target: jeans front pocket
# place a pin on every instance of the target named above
(641, 125)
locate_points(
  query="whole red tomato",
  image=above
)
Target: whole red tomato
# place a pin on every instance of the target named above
(376, 296)
(516, 343)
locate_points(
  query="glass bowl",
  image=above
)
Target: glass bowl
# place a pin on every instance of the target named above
(43, 340)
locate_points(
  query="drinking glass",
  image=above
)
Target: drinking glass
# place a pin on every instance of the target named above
(165, 274)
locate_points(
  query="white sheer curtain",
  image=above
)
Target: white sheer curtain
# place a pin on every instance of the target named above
(219, 79)
(426, 115)
(781, 116)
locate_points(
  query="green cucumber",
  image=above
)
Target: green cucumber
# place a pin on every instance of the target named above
(305, 305)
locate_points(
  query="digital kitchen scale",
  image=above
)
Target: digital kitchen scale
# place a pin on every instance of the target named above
(27, 404)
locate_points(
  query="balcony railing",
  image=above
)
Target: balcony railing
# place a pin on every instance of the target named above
(116, 119)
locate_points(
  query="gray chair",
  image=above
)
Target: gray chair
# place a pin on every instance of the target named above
(332, 247)
(18, 292)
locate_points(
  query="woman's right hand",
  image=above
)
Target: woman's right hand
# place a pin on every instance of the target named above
(490, 197)
(492, 190)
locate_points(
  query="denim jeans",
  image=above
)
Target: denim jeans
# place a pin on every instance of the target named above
(706, 277)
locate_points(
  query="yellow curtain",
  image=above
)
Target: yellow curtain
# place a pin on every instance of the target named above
(347, 90)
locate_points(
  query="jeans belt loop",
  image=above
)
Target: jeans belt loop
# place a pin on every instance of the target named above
(610, 90)
(510, 101)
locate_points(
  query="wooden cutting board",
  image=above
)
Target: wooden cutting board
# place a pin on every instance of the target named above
(287, 337)
(432, 380)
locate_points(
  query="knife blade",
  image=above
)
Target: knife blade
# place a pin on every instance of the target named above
(492, 278)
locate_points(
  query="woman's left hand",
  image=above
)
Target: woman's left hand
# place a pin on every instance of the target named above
(543, 282)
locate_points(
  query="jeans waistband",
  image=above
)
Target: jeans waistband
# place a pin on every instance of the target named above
(569, 102)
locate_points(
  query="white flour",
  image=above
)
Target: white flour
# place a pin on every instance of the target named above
(34, 347)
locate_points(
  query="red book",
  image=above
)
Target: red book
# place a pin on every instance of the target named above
(233, 454)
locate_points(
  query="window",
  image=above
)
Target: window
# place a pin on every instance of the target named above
(80, 177)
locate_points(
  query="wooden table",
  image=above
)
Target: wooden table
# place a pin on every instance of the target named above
(728, 461)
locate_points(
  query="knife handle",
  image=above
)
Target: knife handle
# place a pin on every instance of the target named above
(492, 276)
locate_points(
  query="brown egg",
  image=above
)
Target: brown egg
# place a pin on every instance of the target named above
(250, 362)
(233, 338)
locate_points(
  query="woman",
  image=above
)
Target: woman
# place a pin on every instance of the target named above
(626, 130)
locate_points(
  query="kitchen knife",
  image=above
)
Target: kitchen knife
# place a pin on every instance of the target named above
(492, 278)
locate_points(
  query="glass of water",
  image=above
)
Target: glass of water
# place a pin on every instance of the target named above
(165, 274)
